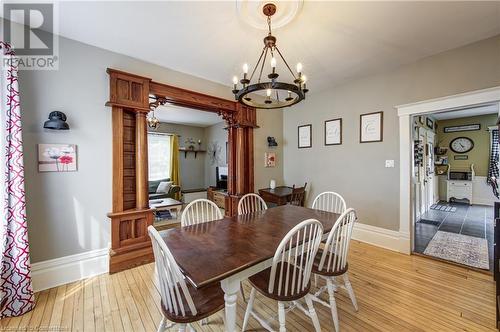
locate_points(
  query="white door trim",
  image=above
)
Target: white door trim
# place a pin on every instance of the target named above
(405, 112)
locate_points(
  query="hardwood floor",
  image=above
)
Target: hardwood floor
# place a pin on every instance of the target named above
(395, 292)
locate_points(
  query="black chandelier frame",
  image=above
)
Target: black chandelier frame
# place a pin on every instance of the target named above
(296, 92)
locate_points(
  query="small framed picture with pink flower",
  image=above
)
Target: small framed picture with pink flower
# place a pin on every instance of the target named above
(57, 158)
(270, 159)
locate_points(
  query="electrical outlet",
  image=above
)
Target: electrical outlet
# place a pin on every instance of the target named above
(389, 163)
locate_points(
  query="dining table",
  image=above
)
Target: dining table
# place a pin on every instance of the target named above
(279, 195)
(229, 250)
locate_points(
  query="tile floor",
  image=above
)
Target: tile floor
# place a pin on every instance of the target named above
(472, 220)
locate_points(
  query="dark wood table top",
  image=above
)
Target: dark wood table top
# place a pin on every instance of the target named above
(213, 251)
(280, 191)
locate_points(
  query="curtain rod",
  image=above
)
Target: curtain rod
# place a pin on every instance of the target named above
(162, 134)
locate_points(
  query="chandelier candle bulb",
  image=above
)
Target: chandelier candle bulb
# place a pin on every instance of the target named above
(273, 74)
(299, 69)
(245, 80)
(304, 80)
(235, 84)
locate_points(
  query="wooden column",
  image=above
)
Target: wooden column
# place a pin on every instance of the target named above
(241, 168)
(231, 138)
(141, 160)
(241, 187)
(130, 216)
(117, 128)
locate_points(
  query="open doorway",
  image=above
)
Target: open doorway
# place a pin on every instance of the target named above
(453, 203)
(187, 160)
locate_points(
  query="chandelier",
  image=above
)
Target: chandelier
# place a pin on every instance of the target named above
(153, 121)
(270, 93)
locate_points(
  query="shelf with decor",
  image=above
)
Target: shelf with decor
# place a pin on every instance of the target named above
(440, 151)
(195, 151)
(441, 169)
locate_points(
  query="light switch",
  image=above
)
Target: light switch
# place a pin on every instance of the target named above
(389, 163)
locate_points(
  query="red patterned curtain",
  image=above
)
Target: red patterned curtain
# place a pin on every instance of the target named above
(16, 291)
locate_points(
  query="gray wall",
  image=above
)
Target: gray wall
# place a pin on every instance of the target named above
(357, 170)
(67, 211)
(215, 133)
(270, 124)
(192, 169)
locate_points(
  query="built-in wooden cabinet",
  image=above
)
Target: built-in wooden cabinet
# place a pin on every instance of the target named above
(217, 196)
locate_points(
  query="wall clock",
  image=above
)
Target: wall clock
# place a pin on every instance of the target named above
(461, 145)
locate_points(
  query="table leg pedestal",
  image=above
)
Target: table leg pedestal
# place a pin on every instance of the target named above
(231, 287)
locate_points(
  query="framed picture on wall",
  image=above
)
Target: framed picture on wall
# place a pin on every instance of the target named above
(371, 127)
(469, 127)
(305, 136)
(57, 158)
(270, 159)
(333, 132)
(430, 123)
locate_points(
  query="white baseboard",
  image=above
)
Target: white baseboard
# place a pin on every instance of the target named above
(377, 236)
(63, 270)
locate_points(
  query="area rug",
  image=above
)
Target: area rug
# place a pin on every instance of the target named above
(445, 208)
(463, 249)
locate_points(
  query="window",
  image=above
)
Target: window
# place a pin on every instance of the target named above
(158, 156)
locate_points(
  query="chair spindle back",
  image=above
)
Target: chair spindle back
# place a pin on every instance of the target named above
(334, 257)
(329, 201)
(298, 196)
(251, 203)
(173, 289)
(294, 258)
(200, 211)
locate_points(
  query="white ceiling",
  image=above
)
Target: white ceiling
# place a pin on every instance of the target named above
(334, 40)
(186, 116)
(473, 111)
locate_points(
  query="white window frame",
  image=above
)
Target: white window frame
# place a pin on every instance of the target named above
(151, 136)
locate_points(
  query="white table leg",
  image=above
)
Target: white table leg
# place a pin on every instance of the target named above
(231, 287)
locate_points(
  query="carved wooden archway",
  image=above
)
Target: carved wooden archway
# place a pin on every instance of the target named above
(131, 215)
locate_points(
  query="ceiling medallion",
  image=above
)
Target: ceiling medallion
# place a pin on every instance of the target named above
(250, 12)
(270, 93)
